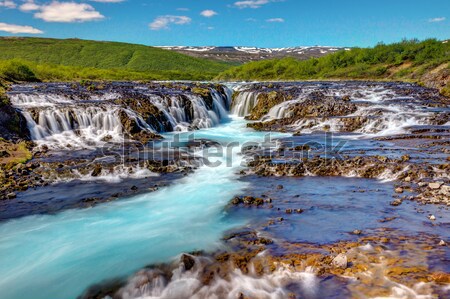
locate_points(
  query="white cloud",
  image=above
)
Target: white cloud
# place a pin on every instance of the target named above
(435, 20)
(30, 5)
(68, 12)
(8, 4)
(163, 22)
(19, 29)
(251, 3)
(208, 13)
(275, 20)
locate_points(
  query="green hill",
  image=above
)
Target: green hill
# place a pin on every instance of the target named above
(126, 60)
(409, 60)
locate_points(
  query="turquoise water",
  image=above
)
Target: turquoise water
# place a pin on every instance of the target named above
(58, 256)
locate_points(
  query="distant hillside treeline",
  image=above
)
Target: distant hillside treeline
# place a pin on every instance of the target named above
(68, 59)
(406, 60)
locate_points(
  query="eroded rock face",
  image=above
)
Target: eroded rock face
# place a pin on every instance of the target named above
(339, 107)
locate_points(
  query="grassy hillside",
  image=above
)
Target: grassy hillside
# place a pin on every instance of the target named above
(406, 60)
(109, 59)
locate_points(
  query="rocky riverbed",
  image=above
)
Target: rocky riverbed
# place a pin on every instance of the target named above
(338, 189)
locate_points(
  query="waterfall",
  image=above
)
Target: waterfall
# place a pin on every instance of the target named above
(244, 103)
(62, 118)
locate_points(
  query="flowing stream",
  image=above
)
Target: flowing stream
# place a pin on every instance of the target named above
(70, 250)
(60, 255)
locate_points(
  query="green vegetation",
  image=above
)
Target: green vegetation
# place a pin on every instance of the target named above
(12, 154)
(406, 60)
(73, 59)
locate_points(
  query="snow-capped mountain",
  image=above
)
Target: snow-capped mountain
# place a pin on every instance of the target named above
(245, 54)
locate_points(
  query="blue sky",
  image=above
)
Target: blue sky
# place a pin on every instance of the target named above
(263, 23)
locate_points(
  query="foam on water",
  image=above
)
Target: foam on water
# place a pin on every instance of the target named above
(150, 284)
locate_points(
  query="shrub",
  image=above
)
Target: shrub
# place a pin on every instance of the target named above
(16, 70)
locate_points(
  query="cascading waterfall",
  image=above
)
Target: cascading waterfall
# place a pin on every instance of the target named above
(382, 111)
(67, 120)
(244, 103)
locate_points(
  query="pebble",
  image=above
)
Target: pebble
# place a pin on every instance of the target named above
(340, 261)
(399, 190)
(396, 202)
(11, 195)
(442, 243)
(357, 232)
(435, 185)
(432, 217)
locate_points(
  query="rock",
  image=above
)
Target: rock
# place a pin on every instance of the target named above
(357, 232)
(432, 217)
(11, 195)
(188, 262)
(134, 188)
(279, 187)
(236, 200)
(399, 190)
(299, 211)
(442, 243)
(445, 189)
(4, 154)
(441, 277)
(435, 185)
(407, 179)
(396, 202)
(97, 171)
(406, 158)
(288, 211)
(422, 184)
(340, 261)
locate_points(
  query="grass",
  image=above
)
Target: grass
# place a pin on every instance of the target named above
(71, 59)
(16, 153)
(405, 60)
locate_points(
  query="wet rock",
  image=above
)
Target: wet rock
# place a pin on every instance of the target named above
(435, 185)
(445, 190)
(340, 261)
(188, 262)
(432, 217)
(288, 211)
(11, 195)
(97, 171)
(441, 277)
(357, 232)
(399, 190)
(299, 211)
(279, 187)
(442, 243)
(134, 188)
(396, 202)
